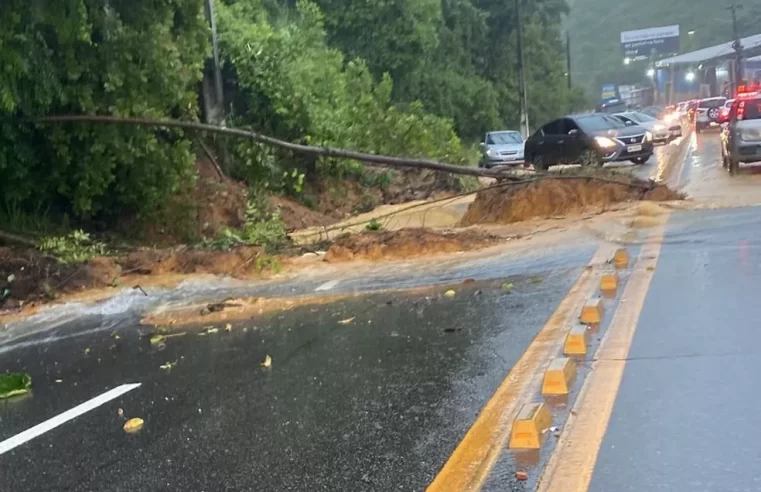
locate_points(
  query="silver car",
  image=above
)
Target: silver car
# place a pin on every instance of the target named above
(662, 132)
(741, 136)
(503, 148)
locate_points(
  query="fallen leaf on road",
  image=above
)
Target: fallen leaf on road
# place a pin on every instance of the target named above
(120, 412)
(347, 321)
(133, 425)
(267, 362)
(450, 293)
(507, 287)
(14, 384)
(168, 366)
(521, 475)
(157, 339)
(228, 327)
(209, 330)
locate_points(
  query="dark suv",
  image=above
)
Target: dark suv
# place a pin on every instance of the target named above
(590, 139)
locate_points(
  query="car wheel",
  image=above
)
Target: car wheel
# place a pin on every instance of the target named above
(539, 164)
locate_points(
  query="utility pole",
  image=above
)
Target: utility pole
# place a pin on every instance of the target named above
(568, 56)
(737, 47)
(522, 72)
(218, 92)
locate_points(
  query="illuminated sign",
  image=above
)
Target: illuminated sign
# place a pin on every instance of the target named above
(646, 42)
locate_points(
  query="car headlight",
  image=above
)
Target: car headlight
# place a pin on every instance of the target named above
(491, 153)
(605, 142)
(648, 136)
(750, 135)
(658, 128)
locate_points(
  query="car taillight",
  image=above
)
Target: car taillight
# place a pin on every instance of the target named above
(741, 110)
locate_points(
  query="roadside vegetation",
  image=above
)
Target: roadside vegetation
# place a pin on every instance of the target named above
(417, 79)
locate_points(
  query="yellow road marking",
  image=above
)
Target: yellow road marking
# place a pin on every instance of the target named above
(469, 466)
(571, 465)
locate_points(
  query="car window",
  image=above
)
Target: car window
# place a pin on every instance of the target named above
(599, 122)
(712, 103)
(642, 118)
(503, 138)
(553, 128)
(749, 110)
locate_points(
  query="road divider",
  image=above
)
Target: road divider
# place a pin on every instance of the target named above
(621, 259)
(530, 426)
(591, 313)
(576, 341)
(559, 377)
(609, 283)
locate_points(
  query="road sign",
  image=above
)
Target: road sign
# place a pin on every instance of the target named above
(646, 42)
(608, 93)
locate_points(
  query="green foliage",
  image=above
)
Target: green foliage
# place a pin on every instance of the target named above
(373, 225)
(261, 228)
(96, 57)
(14, 384)
(595, 27)
(76, 247)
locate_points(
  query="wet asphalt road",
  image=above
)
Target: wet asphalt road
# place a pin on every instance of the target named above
(380, 403)
(377, 404)
(686, 414)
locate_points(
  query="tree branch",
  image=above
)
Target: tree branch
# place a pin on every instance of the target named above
(371, 159)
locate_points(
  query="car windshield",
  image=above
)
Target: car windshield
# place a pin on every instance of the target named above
(503, 138)
(596, 123)
(712, 103)
(641, 117)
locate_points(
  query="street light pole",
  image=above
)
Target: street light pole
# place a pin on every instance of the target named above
(737, 47)
(568, 57)
(522, 72)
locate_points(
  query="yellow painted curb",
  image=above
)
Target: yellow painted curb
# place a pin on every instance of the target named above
(559, 376)
(609, 282)
(621, 258)
(591, 313)
(529, 426)
(577, 340)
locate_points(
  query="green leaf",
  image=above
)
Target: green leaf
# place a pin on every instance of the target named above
(14, 384)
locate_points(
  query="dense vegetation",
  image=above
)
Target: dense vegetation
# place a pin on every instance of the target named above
(595, 27)
(402, 77)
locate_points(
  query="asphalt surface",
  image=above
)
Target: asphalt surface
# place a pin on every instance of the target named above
(376, 404)
(379, 403)
(685, 418)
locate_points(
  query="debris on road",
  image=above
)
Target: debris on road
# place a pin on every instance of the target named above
(167, 366)
(520, 475)
(450, 293)
(347, 320)
(558, 196)
(14, 384)
(208, 330)
(133, 425)
(267, 362)
(406, 243)
(507, 287)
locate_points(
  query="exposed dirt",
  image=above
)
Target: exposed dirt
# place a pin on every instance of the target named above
(28, 277)
(552, 197)
(406, 243)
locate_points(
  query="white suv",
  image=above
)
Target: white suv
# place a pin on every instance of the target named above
(741, 135)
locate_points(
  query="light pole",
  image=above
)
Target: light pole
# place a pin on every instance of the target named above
(737, 47)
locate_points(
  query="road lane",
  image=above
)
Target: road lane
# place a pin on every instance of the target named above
(686, 413)
(376, 404)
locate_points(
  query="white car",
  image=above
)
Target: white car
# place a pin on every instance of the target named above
(662, 133)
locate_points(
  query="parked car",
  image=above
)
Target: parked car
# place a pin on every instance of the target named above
(724, 112)
(591, 139)
(662, 133)
(707, 113)
(501, 148)
(741, 135)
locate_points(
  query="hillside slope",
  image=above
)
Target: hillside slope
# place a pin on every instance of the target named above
(595, 27)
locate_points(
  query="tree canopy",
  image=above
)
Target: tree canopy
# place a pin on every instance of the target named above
(421, 78)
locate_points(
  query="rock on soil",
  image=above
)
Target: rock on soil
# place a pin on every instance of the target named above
(406, 243)
(551, 197)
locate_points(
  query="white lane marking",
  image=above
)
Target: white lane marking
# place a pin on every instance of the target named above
(51, 424)
(328, 285)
